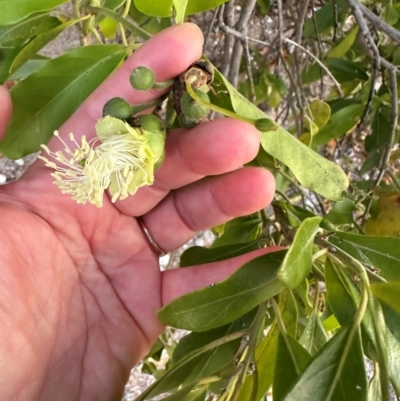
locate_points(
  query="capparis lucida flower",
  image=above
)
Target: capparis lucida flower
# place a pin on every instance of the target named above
(123, 161)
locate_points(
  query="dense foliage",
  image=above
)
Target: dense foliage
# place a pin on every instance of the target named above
(320, 80)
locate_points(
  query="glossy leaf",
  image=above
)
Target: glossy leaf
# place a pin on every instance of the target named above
(7, 56)
(311, 169)
(344, 45)
(291, 360)
(314, 336)
(297, 263)
(340, 123)
(239, 231)
(17, 34)
(342, 212)
(11, 13)
(344, 70)
(374, 389)
(212, 360)
(197, 255)
(58, 89)
(267, 349)
(394, 361)
(157, 8)
(376, 141)
(180, 9)
(319, 112)
(381, 253)
(388, 292)
(339, 299)
(38, 43)
(317, 381)
(224, 302)
(324, 18)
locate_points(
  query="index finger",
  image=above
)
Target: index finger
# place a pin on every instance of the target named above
(168, 54)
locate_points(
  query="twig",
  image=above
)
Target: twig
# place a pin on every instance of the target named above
(319, 62)
(252, 92)
(380, 24)
(393, 124)
(229, 13)
(237, 52)
(210, 27)
(366, 35)
(280, 35)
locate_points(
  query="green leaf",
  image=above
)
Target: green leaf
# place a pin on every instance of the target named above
(380, 253)
(344, 70)
(374, 389)
(344, 45)
(312, 170)
(376, 141)
(18, 34)
(180, 10)
(267, 349)
(198, 255)
(224, 302)
(319, 112)
(198, 6)
(157, 8)
(317, 382)
(7, 56)
(388, 292)
(58, 89)
(325, 18)
(179, 372)
(297, 263)
(338, 297)
(394, 361)
(39, 42)
(291, 360)
(11, 12)
(28, 68)
(239, 231)
(314, 336)
(212, 360)
(342, 212)
(340, 123)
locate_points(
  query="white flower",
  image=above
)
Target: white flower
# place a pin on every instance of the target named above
(123, 162)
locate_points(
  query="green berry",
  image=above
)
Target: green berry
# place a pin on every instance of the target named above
(142, 78)
(148, 122)
(192, 109)
(186, 122)
(117, 108)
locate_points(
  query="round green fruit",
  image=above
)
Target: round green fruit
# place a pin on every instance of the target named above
(148, 122)
(142, 78)
(117, 108)
(192, 109)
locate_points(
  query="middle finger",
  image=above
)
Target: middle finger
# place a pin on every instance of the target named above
(214, 148)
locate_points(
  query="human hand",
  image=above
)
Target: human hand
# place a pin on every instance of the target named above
(80, 286)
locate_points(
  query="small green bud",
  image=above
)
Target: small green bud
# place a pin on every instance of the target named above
(142, 78)
(117, 108)
(265, 124)
(191, 108)
(149, 122)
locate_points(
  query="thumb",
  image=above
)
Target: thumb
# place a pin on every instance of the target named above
(5, 110)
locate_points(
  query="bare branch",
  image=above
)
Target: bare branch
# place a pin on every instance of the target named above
(319, 62)
(380, 24)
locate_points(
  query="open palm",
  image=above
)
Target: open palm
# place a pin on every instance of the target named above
(80, 286)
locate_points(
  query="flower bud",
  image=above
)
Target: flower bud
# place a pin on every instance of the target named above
(192, 109)
(142, 78)
(117, 108)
